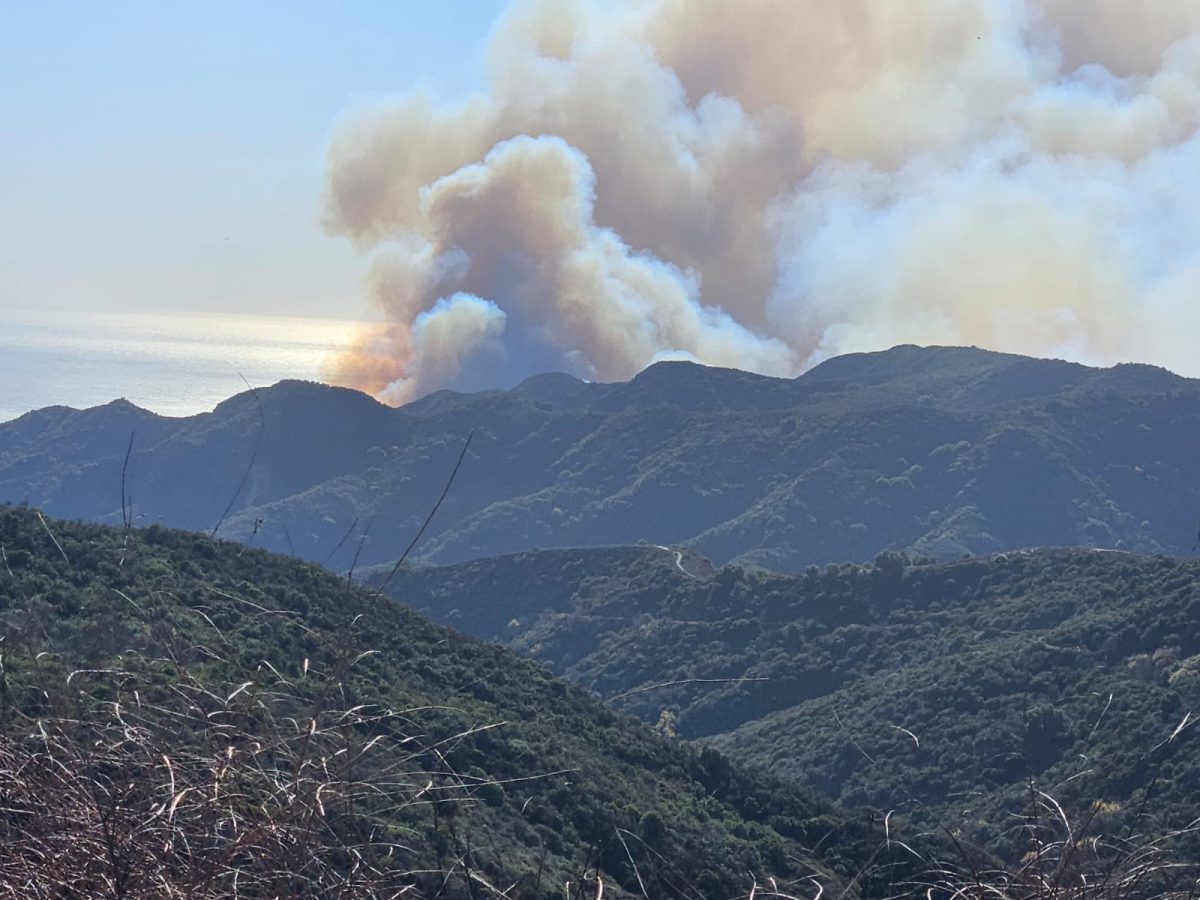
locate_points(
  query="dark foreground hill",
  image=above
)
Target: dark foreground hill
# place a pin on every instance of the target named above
(274, 684)
(937, 451)
(949, 691)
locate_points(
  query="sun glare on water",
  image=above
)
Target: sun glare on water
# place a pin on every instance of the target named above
(172, 363)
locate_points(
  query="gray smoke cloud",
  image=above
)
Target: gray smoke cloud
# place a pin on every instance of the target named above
(767, 183)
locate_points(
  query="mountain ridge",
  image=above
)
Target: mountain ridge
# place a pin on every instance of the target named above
(899, 684)
(937, 451)
(543, 783)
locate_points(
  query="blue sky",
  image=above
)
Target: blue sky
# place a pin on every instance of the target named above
(171, 155)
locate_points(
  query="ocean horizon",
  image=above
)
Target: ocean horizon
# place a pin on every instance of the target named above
(173, 363)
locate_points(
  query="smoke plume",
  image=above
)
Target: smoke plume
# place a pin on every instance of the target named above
(766, 183)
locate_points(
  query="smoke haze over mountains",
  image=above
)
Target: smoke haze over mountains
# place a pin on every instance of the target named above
(765, 184)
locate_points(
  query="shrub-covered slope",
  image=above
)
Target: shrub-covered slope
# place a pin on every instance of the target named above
(484, 760)
(948, 687)
(939, 451)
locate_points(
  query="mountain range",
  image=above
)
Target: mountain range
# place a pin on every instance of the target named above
(936, 452)
(942, 691)
(928, 586)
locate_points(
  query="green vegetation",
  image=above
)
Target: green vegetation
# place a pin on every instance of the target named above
(177, 714)
(938, 452)
(1035, 702)
(947, 693)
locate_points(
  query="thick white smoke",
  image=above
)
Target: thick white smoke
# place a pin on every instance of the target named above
(765, 183)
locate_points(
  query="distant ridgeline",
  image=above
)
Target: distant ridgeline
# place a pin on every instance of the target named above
(948, 692)
(938, 451)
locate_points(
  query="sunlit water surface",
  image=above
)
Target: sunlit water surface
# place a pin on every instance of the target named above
(175, 364)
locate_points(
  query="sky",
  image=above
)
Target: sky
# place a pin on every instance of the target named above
(506, 187)
(170, 156)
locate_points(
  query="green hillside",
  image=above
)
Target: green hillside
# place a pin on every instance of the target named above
(935, 451)
(943, 691)
(480, 768)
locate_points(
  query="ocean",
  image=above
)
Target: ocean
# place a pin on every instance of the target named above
(175, 364)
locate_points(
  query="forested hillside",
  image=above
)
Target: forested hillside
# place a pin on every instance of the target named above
(936, 451)
(945, 691)
(481, 770)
